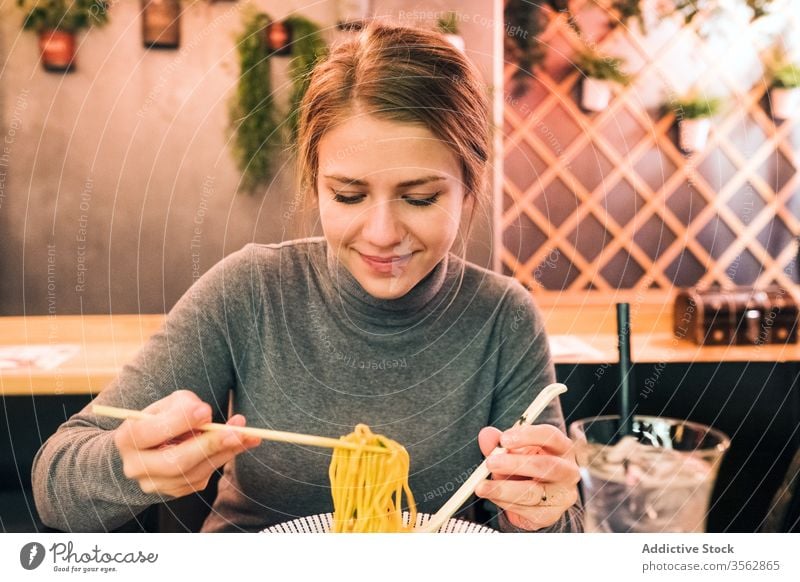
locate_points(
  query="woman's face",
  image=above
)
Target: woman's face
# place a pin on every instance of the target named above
(390, 201)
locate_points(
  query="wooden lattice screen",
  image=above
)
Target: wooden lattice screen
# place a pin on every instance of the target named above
(599, 202)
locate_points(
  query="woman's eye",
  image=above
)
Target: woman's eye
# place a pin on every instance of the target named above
(423, 201)
(348, 198)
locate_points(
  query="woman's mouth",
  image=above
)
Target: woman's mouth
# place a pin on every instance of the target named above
(388, 265)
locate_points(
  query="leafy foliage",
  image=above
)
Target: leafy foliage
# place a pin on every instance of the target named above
(603, 67)
(448, 24)
(66, 15)
(308, 47)
(697, 107)
(255, 122)
(786, 76)
(524, 21)
(627, 9)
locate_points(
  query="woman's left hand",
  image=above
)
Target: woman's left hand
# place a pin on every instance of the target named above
(535, 480)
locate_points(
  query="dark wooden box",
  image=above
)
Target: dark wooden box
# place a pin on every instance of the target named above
(741, 316)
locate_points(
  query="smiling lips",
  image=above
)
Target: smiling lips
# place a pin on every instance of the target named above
(386, 265)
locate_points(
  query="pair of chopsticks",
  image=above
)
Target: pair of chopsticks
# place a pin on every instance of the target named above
(440, 517)
(262, 433)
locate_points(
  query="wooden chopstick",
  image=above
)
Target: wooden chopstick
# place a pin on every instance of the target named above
(262, 433)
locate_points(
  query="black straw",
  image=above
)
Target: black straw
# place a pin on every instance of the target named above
(624, 345)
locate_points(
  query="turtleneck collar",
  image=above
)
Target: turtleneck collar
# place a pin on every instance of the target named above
(358, 304)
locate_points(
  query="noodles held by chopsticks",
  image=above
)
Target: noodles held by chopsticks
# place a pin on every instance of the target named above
(367, 487)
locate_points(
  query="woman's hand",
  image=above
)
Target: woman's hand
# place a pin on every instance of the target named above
(166, 455)
(535, 480)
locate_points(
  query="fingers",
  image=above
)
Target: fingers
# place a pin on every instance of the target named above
(529, 505)
(528, 494)
(545, 436)
(173, 416)
(488, 439)
(199, 452)
(532, 518)
(197, 455)
(540, 467)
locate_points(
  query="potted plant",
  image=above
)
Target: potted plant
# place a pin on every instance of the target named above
(448, 26)
(784, 94)
(601, 72)
(57, 22)
(694, 121)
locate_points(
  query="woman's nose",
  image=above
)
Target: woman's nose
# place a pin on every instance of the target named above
(381, 226)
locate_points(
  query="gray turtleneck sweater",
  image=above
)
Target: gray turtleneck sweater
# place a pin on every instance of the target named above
(287, 335)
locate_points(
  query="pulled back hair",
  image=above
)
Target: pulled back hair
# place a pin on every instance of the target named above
(403, 74)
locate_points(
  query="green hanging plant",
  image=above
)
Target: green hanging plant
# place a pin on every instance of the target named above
(604, 67)
(691, 8)
(696, 107)
(308, 47)
(67, 15)
(627, 9)
(253, 117)
(448, 24)
(786, 76)
(57, 22)
(525, 20)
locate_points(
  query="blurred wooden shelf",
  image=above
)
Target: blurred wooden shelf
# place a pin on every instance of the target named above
(652, 340)
(107, 342)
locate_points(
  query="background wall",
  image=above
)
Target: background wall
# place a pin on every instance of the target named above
(606, 201)
(108, 170)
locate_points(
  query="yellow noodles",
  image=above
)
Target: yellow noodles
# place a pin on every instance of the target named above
(367, 488)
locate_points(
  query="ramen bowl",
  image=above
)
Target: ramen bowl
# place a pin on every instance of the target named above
(322, 523)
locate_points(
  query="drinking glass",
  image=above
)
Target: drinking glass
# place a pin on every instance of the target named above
(657, 479)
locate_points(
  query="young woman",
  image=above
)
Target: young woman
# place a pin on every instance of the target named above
(377, 322)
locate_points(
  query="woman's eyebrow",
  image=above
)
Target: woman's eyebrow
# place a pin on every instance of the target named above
(348, 181)
(406, 184)
(420, 181)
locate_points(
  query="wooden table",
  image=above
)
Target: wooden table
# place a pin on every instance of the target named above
(107, 342)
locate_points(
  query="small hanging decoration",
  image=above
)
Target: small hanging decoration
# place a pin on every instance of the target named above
(279, 37)
(161, 25)
(57, 22)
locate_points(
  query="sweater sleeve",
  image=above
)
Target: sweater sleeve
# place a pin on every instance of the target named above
(78, 481)
(525, 369)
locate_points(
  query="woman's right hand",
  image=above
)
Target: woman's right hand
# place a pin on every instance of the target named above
(167, 455)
